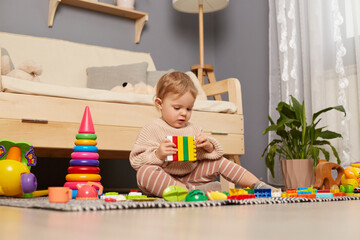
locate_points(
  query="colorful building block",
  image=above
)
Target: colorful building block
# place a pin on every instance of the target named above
(241, 197)
(302, 192)
(249, 190)
(262, 192)
(186, 148)
(339, 194)
(276, 193)
(323, 195)
(312, 195)
(237, 191)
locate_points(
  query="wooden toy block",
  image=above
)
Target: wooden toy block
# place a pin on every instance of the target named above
(186, 148)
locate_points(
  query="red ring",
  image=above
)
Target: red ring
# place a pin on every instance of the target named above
(83, 169)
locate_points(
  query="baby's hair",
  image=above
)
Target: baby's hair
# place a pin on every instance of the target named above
(175, 82)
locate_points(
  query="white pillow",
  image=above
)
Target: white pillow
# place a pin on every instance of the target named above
(201, 92)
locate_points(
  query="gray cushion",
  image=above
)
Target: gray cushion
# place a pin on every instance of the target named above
(154, 76)
(110, 76)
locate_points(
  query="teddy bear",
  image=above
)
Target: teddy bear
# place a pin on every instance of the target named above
(139, 88)
(27, 70)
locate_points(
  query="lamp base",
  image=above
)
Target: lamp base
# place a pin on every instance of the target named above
(205, 70)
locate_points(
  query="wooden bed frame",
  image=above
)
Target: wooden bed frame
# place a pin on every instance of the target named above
(51, 123)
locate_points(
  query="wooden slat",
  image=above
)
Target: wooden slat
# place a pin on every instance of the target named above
(55, 109)
(231, 86)
(58, 135)
(234, 90)
(218, 87)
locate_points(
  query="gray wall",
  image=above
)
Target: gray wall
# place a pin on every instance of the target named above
(236, 43)
(241, 50)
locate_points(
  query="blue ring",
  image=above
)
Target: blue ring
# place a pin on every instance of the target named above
(85, 148)
(84, 162)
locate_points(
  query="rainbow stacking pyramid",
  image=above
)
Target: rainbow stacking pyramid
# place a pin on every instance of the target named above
(186, 148)
(84, 159)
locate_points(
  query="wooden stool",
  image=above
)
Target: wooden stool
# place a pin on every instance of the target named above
(202, 70)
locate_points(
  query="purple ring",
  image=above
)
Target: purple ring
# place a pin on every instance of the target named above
(84, 162)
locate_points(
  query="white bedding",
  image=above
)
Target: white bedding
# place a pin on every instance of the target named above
(14, 85)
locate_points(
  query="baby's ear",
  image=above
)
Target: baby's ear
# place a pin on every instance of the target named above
(158, 103)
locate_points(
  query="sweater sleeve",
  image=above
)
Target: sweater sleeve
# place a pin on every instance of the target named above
(143, 151)
(217, 153)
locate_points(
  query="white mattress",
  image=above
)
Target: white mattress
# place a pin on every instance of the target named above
(15, 85)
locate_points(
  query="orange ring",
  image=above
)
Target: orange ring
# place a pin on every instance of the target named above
(83, 177)
(85, 142)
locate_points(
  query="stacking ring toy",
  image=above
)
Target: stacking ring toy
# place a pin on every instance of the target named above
(83, 169)
(72, 185)
(84, 155)
(85, 142)
(83, 177)
(84, 162)
(85, 148)
(89, 136)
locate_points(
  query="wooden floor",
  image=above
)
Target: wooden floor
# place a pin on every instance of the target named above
(328, 220)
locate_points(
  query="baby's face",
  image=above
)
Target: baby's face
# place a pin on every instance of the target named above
(176, 109)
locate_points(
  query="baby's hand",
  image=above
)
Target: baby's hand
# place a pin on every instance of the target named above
(166, 148)
(202, 141)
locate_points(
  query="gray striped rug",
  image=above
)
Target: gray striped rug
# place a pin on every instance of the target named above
(100, 205)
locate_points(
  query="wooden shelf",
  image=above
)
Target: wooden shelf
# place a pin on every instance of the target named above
(139, 17)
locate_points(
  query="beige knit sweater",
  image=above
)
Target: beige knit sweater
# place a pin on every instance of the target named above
(149, 139)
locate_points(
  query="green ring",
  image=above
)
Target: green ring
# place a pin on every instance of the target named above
(89, 136)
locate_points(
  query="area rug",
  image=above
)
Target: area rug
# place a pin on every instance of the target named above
(100, 205)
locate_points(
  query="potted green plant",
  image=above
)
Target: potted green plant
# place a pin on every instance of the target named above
(298, 139)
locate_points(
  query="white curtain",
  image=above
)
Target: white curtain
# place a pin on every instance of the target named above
(315, 56)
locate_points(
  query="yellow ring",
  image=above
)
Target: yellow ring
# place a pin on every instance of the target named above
(83, 177)
(85, 142)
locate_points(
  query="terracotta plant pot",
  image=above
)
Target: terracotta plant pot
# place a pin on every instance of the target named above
(298, 173)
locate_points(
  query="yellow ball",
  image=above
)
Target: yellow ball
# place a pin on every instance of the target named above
(10, 177)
